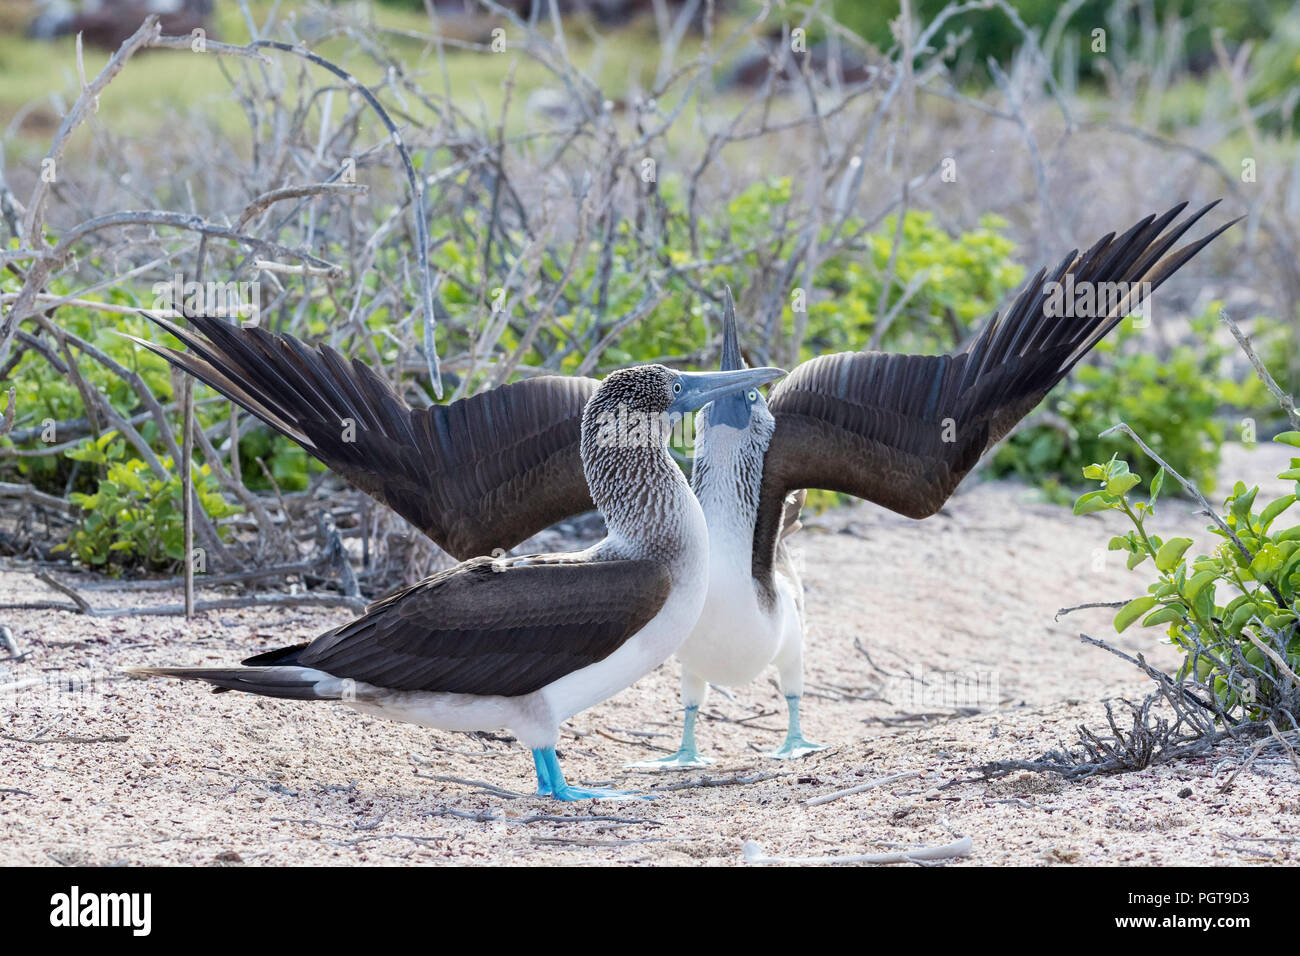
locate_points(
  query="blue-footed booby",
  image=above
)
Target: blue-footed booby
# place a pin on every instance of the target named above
(898, 430)
(527, 642)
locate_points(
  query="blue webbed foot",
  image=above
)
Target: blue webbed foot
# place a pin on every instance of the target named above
(794, 748)
(795, 745)
(569, 794)
(687, 755)
(551, 782)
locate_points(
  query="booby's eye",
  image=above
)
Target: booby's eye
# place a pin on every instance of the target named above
(752, 395)
(677, 388)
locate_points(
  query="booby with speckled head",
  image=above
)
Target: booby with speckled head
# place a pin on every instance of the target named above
(527, 642)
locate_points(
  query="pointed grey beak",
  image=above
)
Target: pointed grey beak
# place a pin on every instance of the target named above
(697, 389)
(731, 358)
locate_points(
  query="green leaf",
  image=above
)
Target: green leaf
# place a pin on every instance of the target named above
(1165, 615)
(1275, 508)
(1093, 501)
(1121, 485)
(1133, 610)
(1198, 581)
(1157, 483)
(1204, 602)
(1288, 438)
(1241, 502)
(1240, 616)
(1171, 552)
(1266, 563)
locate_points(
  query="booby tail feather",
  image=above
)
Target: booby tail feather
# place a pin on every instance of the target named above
(290, 683)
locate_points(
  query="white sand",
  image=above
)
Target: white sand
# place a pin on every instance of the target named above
(233, 779)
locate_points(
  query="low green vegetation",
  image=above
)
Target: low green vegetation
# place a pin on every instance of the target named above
(1232, 611)
(129, 516)
(133, 518)
(942, 285)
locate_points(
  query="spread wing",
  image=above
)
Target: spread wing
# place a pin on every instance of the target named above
(491, 627)
(481, 473)
(903, 430)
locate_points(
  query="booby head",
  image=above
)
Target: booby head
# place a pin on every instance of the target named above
(742, 409)
(628, 422)
(638, 407)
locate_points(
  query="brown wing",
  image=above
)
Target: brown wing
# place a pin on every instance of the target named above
(478, 474)
(491, 627)
(903, 430)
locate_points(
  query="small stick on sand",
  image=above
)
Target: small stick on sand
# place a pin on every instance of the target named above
(827, 798)
(1080, 607)
(10, 643)
(736, 780)
(922, 854)
(112, 739)
(476, 784)
(1281, 738)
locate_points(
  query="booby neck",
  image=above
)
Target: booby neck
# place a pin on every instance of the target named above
(728, 469)
(648, 506)
(727, 480)
(732, 437)
(646, 503)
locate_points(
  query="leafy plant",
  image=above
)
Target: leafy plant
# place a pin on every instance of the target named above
(960, 279)
(1230, 611)
(134, 517)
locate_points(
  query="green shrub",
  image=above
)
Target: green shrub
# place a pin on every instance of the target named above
(1214, 604)
(965, 277)
(134, 517)
(993, 34)
(288, 462)
(962, 278)
(128, 500)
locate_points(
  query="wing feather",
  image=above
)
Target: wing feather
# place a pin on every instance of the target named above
(903, 430)
(479, 474)
(490, 627)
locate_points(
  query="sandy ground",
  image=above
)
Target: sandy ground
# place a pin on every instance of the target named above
(163, 773)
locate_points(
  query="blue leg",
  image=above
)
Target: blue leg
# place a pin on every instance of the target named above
(795, 745)
(543, 774)
(550, 780)
(687, 755)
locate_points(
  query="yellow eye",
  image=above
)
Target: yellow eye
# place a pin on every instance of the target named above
(753, 395)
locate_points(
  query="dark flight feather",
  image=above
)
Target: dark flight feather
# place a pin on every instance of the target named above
(482, 473)
(903, 430)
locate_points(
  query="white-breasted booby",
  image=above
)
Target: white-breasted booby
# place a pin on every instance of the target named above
(527, 642)
(899, 430)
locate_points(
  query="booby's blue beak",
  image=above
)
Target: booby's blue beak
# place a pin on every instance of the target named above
(732, 410)
(694, 390)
